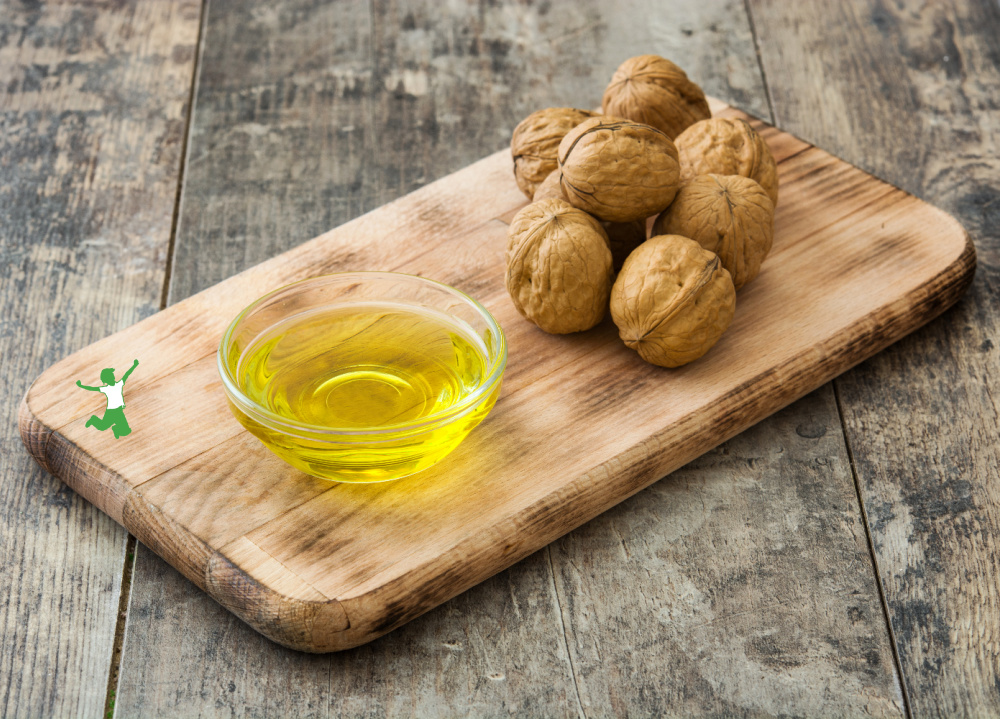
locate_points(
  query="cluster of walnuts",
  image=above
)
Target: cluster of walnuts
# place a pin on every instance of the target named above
(595, 178)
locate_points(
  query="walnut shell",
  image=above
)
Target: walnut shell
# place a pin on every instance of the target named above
(729, 215)
(536, 140)
(558, 266)
(550, 187)
(652, 90)
(618, 170)
(728, 146)
(672, 300)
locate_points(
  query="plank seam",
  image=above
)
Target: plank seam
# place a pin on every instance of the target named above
(760, 61)
(562, 623)
(128, 569)
(185, 150)
(372, 120)
(135, 487)
(283, 566)
(897, 664)
(795, 154)
(124, 596)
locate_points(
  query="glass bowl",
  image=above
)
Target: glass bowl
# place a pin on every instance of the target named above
(333, 321)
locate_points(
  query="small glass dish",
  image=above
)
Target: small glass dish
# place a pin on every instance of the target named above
(346, 325)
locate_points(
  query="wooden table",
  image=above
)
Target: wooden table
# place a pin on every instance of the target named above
(840, 558)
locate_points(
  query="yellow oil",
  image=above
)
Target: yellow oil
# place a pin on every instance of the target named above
(379, 373)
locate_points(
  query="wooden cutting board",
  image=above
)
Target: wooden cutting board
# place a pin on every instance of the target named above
(581, 424)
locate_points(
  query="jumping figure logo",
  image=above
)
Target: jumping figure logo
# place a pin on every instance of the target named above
(114, 415)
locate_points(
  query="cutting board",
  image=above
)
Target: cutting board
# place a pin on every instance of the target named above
(581, 423)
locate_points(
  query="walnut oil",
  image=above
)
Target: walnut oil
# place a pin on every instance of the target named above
(370, 379)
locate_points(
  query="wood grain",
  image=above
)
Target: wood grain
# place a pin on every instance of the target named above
(720, 604)
(477, 655)
(911, 93)
(545, 462)
(920, 39)
(282, 146)
(93, 103)
(517, 64)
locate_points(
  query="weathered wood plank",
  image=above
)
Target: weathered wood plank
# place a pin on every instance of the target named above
(740, 585)
(476, 655)
(93, 104)
(443, 88)
(282, 144)
(912, 92)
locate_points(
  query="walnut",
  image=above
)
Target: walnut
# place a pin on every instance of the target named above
(558, 266)
(550, 187)
(672, 300)
(728, 146)
(618, 170)
(623, 237)
(536, 140)
(729, 215)
(652, 90)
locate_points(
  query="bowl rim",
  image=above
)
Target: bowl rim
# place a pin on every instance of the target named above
(445, 416)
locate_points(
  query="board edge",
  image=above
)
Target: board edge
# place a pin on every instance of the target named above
(302, 624)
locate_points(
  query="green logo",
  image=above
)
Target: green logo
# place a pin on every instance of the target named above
(114, 415)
